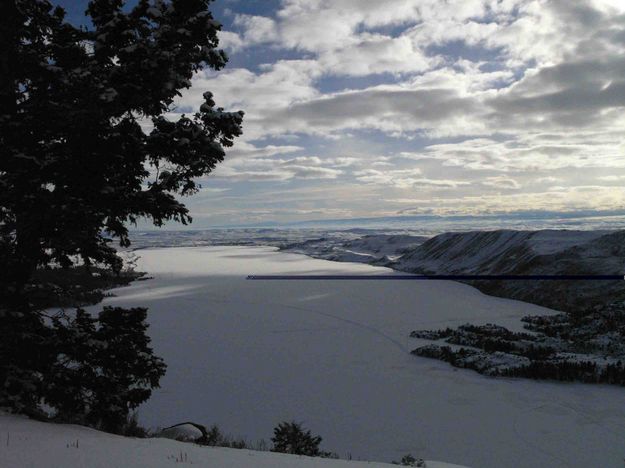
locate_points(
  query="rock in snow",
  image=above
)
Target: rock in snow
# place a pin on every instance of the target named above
(186, 432)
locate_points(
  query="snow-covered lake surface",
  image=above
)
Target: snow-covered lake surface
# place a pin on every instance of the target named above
(247, 355)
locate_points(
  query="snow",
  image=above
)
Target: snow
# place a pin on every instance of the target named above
(247, 355)
(469, 252)
(551, 241)
(32, 444)
(384, 245)
(342, 246)
(502, 252)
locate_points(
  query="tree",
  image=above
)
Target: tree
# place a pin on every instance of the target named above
(289, 437)
(77, 166)
(104, 368)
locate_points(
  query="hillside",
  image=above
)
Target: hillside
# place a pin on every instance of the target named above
(546, 252)
(27, 443)
(375, 249)
(585, 343)
(528, 253)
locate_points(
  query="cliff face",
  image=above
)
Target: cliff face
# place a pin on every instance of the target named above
(528, 253)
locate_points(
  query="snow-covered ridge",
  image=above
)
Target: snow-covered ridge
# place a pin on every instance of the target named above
(498, 252)
(479, 252)
(27, 443)
(529, 253)
(548, 252)
(371, 248)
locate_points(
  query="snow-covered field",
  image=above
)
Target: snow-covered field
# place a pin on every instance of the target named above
(335, 356)
(30, 444)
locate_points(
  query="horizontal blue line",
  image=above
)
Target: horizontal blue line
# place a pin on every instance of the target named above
(444, 277)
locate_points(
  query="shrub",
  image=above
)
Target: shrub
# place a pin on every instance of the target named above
(289, 437)
(409, 460)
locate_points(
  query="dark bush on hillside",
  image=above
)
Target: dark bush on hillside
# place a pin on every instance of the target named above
(215, 438)
(289, 437)
(409, 460)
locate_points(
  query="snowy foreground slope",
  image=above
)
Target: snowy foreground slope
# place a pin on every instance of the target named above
(247, 355)
(31, 444)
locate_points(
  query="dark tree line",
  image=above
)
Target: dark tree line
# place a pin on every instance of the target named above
(540, 364)
(77, 167)
(570, 371)
(586, 345)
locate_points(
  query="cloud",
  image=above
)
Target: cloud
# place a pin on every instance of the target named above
(256, 29)
(570, 69)
(277, 86)
(243, 149)
(565, 199)
(230, 41)
(213, 190)
(391, 109)
(404, 178)
(501, 182)
(275, 169)
(530, 152)
(476, 105)
(612, 178)
(312, 172)
(376, 53)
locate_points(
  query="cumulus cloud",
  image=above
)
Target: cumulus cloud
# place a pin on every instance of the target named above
(256, 29)
(391, 109)
(469, 104)
(404, 178)
(530, 152)
(501, 182)
(243, 149)
(230, 41)
(272, 169)
(376, 53)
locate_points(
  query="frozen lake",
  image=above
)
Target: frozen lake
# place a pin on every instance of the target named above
(247, 355)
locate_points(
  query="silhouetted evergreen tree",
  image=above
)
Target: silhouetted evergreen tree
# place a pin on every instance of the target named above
(105, 367)
(77, 165)
(75, 158)
(290, 437)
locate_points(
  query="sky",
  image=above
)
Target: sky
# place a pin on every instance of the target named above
(367, 108)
